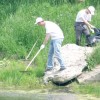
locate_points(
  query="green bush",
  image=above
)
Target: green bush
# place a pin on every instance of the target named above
(18, 32)
(94, 59)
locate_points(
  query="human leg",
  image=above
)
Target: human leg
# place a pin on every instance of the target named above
(50, 56)
(78, 33)
(87, 34)
(57, 52)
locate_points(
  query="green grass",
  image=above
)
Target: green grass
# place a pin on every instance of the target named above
(18, 32)
(92, 89)
(94, 58)
(13, 75)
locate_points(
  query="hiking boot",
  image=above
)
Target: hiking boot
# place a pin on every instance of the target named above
(61, 69)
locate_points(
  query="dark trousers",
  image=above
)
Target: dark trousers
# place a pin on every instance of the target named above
(81, 28)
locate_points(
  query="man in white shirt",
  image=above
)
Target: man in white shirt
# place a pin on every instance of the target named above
(82, 24)
(54, 33)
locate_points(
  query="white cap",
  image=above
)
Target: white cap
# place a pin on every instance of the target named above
(39, 19)
(91, 9)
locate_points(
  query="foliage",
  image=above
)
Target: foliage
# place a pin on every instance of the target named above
(14, 75)
(94, 59)
(18, 32)
(93, 89)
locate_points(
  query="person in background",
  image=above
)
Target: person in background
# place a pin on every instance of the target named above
(82, 24)
(55, 34)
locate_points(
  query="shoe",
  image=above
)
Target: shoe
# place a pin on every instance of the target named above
(61, 69)
(48, 69)
(88, 45)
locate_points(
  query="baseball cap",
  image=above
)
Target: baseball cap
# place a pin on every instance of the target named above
(38, 19)
(91, 9)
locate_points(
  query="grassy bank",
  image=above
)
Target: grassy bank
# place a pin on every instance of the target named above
(18, 32)
(94, 58)
(92, 89)
(13, 75)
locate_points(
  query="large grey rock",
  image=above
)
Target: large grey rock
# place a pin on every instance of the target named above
(75, 60)
(91, 76)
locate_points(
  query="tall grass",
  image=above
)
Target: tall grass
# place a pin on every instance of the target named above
(17, 30)
(94, 59)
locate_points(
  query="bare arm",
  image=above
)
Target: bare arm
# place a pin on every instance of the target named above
(87, 23)
(47, 37)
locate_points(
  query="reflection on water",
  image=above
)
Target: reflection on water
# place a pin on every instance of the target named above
(24, 97)
(17, 96)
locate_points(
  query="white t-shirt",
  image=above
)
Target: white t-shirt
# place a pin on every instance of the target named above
(82, 14)
(54, 30)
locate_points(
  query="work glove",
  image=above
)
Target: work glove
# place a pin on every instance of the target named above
(92, 26)
(42, 46)
(92, 30)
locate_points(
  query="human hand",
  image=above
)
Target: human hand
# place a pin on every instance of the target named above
(92, 26)
(42, 46)
(92, 30)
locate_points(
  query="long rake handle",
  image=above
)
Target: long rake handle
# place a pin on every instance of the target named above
(31, 51)
(32, 59)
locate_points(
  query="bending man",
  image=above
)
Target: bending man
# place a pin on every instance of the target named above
(54, 33)
(82, 24)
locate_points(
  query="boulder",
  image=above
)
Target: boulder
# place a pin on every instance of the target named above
(90, 76)
(75, 61)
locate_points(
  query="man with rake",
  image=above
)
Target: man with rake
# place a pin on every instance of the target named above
(55, 34)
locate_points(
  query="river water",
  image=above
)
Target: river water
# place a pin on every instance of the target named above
(20, 95)
(31, 95)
